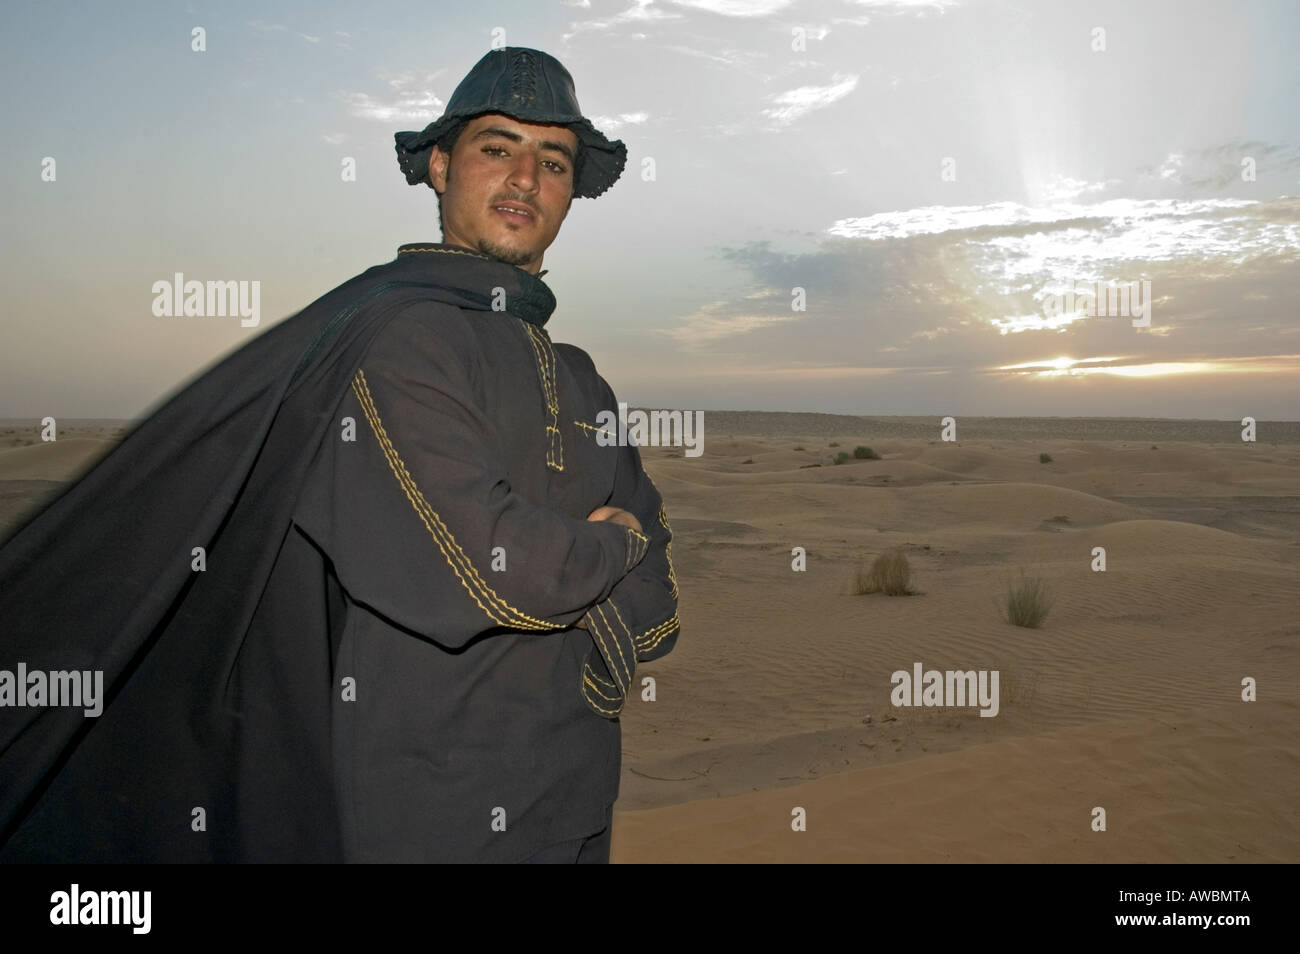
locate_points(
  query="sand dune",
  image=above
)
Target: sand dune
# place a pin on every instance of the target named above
(1202, 786)
(776, 670)
(1127, 697)
(33, 471)
(57, 460)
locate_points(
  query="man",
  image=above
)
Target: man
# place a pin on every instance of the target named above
(371, 589)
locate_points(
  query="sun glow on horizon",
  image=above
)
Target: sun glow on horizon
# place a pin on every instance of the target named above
(1066, 366)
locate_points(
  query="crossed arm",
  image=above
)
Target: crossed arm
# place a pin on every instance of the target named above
(419, 517)
(422, 525)
(637, 621)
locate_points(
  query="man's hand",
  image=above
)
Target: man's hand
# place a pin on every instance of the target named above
(615, 515)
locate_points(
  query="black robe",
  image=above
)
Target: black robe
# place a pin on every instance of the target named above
(377, 659)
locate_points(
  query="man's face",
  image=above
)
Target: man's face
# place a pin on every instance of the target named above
(498, 161)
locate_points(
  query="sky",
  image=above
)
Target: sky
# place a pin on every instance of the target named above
(854, 206)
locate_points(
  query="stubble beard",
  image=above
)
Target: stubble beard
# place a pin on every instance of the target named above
(504, 253)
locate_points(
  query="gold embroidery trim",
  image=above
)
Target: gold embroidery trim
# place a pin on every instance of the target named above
(652, 637)
(637, 545)
(603, 683)
(496, 608)
(588, 686)
(668, 547)
(600, 685)
(595, 429)
(630, 639)
(444, 251)
(545, 355)
(611, 661)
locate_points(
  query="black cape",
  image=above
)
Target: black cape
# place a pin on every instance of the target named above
(101, 579)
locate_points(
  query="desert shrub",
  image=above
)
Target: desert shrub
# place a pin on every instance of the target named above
(890, 573)
(1028, 600)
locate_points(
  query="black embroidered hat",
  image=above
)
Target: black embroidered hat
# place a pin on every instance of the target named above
(530, 86)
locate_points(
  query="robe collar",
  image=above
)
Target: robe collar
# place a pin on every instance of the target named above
(475, 275)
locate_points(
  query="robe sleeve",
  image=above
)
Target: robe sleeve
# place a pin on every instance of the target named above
(418, 516)
(638, 621)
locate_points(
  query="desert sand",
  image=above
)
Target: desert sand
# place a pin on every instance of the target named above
(777, 696)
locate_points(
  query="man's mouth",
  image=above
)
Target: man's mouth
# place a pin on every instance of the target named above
(519, 214)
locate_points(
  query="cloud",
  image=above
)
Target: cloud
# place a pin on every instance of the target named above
(737, 8)
(796, 103)
(641, 12)
(614, 123)
(1126, 367)
(727, 57)
(939, 289)
(895, 8)
(906, 6)
(1065, 188)
(261, 26)
(410, 99)
(1215, 168)
(1012, 257)
(716, 321)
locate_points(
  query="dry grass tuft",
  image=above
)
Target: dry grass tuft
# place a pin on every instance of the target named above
(890, 574)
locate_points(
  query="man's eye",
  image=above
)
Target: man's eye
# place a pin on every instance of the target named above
(498, 150)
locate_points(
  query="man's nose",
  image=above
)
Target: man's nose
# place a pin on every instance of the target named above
(523, 172)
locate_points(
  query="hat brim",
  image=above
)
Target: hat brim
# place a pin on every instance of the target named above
(603, 159)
